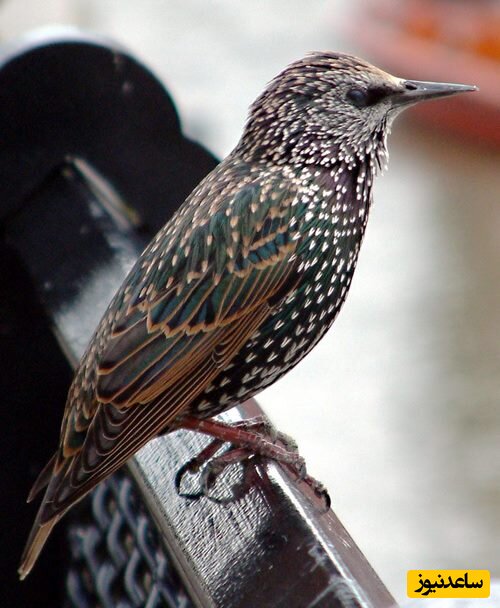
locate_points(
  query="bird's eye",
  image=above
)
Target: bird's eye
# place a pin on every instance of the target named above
(357, 97)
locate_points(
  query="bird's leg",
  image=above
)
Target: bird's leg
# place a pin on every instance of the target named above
(247, 442)
(263, 426)
(259, 424)
(239, 436)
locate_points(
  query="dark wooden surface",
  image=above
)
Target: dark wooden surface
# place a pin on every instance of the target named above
(77, 223)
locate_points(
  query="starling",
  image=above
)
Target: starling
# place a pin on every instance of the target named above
(238, 286)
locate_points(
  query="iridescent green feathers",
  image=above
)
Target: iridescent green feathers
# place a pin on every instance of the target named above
(197, 293)
(209, 275)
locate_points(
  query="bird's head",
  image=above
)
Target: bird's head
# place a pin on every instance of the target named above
(329, 106)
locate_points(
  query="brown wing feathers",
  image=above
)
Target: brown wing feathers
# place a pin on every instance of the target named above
(106, 449)
(162, 354)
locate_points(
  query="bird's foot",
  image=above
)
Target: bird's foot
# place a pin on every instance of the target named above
(194, 465)
(211, 467)
(248, 439)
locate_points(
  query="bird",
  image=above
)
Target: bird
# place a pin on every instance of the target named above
(238, 286)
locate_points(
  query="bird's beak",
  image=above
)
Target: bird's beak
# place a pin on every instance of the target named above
(413, 91)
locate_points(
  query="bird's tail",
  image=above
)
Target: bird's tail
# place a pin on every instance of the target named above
(36, 540)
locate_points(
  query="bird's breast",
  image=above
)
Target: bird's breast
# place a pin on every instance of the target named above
(331, 218)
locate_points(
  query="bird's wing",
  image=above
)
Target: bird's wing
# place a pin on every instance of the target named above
(182, 321)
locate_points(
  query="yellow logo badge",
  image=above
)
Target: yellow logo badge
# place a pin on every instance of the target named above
(448, 583)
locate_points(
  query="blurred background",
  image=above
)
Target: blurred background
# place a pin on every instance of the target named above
(397, 410)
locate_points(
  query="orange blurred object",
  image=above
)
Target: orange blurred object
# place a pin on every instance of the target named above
(454, 40)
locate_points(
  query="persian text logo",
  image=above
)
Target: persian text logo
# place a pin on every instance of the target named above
(448, 583)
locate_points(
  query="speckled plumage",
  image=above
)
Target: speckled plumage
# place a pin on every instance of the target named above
(240, 284)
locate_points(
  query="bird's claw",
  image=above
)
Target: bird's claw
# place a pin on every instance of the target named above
(209, 475)
(211, 472)
(300, 470)
(191, 467)
(321, 492)
(248, 440)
